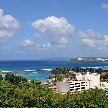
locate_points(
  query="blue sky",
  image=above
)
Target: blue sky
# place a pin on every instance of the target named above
(37, 29)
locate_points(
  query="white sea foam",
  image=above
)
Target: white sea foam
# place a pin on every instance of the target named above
(46, 69)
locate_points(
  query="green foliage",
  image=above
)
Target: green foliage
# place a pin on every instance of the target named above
(12, 78)
(34, 94)
(1, 77)
(58, 71)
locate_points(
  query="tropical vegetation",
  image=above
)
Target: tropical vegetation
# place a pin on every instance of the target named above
(16, 91)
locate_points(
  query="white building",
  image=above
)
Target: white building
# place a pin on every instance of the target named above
(79, 85)
(80, 58)
(83, 82)
(62, 86)
(104, 86)
(94, 79)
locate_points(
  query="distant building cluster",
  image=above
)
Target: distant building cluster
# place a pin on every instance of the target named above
(78, 82)
(89, 59)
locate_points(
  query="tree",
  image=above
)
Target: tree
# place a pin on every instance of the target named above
(33, 94)
(1, 77)
(12, 78)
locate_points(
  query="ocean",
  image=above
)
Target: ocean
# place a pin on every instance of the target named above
(21, 65)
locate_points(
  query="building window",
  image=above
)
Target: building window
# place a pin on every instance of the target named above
(77, 83)
(82, 82)
(77, 88)
(82, 87)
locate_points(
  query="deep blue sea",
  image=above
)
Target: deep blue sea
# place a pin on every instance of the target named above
(21, 65)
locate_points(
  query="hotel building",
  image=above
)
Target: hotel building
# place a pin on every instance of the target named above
(82, 82)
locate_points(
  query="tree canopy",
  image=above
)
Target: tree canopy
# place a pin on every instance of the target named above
(18, 92)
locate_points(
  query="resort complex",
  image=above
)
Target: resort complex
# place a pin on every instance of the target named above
(78, 81)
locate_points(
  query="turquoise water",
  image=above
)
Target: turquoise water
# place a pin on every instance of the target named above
(19, 66)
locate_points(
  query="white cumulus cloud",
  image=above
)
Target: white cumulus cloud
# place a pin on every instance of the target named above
(31, 44)
(53, 26)
(93, 39)
(1, 12)
(28, 43)
(105, 6)
(56, 30)
(8, 25)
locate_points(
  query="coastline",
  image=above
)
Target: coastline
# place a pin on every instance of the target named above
(17, 66)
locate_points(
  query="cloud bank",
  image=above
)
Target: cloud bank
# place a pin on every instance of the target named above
(92, 39)
(56, 30)
(8, 25)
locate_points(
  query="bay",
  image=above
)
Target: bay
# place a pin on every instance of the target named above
(21, 65)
